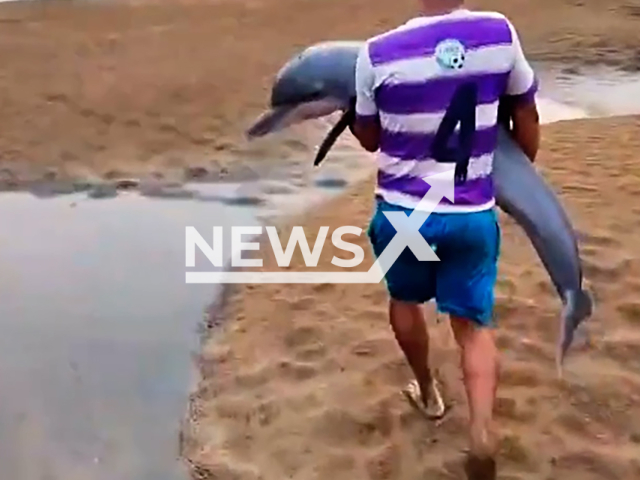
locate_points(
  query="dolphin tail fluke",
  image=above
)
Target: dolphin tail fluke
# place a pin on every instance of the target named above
(578, 307)
(332, 136)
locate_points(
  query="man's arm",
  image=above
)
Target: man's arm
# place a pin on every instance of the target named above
(366, 126)
(520, 101)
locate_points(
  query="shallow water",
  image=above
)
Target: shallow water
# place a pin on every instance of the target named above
(97, 326)
(97, 329)
(599, 91)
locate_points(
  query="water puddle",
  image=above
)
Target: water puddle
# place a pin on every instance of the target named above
(553, 111)
(97, 326)
(97, 329)
(597, 91)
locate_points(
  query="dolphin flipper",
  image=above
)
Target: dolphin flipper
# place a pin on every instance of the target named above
(345, 120)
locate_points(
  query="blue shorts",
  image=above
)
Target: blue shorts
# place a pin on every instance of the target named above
(462, 282)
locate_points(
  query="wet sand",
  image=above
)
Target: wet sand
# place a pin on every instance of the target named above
(303, 381)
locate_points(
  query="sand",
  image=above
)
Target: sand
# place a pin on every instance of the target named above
(303, 381)
(110, 89)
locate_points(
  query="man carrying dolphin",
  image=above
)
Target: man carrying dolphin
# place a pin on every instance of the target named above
(428, 94)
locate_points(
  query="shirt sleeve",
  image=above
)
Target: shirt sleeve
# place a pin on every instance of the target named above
(365, 83)
(522, 83)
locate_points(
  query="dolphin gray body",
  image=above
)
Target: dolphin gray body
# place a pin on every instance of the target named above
(321, 80)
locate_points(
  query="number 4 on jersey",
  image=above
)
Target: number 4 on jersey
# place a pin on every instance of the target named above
(462, 110)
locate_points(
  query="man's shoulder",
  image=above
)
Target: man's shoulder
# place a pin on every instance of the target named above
(493, 15)
(386, 34)
(421, 22)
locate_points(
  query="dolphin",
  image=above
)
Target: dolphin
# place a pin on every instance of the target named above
(320, 80)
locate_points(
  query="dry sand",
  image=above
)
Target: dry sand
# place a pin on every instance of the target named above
(303, 381)
(108, 89)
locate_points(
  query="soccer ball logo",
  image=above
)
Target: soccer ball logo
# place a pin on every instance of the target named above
(450, 54)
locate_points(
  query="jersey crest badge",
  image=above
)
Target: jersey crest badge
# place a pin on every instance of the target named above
(450, 54)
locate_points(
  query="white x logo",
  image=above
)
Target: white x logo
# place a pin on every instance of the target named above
(408, 227)
(407, 235)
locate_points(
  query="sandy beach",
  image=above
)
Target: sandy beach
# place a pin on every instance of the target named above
(303, 381)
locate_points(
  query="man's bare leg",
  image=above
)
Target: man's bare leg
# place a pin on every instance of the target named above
(479, 362)
(410, 329)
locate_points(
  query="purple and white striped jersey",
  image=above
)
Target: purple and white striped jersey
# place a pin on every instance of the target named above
(459, 64)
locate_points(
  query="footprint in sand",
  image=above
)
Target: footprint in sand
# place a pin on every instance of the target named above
(609, 271)
(384, 464)
(303, 303)
(302, 336)
(630, 311)
(514, 451)
(626, 353)
(374, 348)
(293, 371)
(590, 464)
(340, 428)
(306, 343)
(510, 409)
(520, 375)
(313, 353)
(597, 239)
(254, 378)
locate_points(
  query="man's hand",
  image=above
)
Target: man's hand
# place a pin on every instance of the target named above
(521, 119)
(366, 130)
(526, 128)
(368, 134)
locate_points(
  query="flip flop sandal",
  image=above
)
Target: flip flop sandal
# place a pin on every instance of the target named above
(436, 410)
